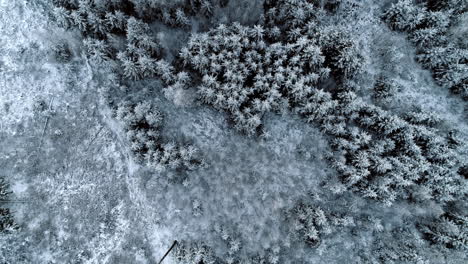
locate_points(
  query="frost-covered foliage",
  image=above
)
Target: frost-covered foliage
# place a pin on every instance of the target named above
(142, 122)
(312, 82)
(431, 26)
(385, 87)
(7, 222)
(247, 75)
(387, 157)
(397, 246)
(113, 31)
(377, 153)
(173, 13)
(198, 252)
(312, 223)
(449, 230)
(194, 254)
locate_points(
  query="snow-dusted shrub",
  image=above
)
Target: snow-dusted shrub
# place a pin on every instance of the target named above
(142, 123)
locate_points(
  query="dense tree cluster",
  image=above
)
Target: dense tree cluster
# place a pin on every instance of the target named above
(429, 26)
(290, 20)
(386, 157)
(248, 71)
(293, 61)
(195, 253)
(449, 230)
(400, 245)
(121, 28)
(174, 13)
(117, 31)
(245, 76)
(312, 223)
(113, 30)
(378, 154)
(142, 123)
(7, 222)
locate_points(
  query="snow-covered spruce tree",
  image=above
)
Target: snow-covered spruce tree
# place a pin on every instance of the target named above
(448, 230)
(142, 123)
(4, 192)
(7, 222)
(438, 48)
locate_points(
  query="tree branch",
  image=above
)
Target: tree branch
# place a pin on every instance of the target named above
(167, 253)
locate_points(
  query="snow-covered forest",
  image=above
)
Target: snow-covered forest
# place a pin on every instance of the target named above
(233, 131)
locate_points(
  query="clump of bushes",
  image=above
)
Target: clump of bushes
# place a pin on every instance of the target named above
(142, 123)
